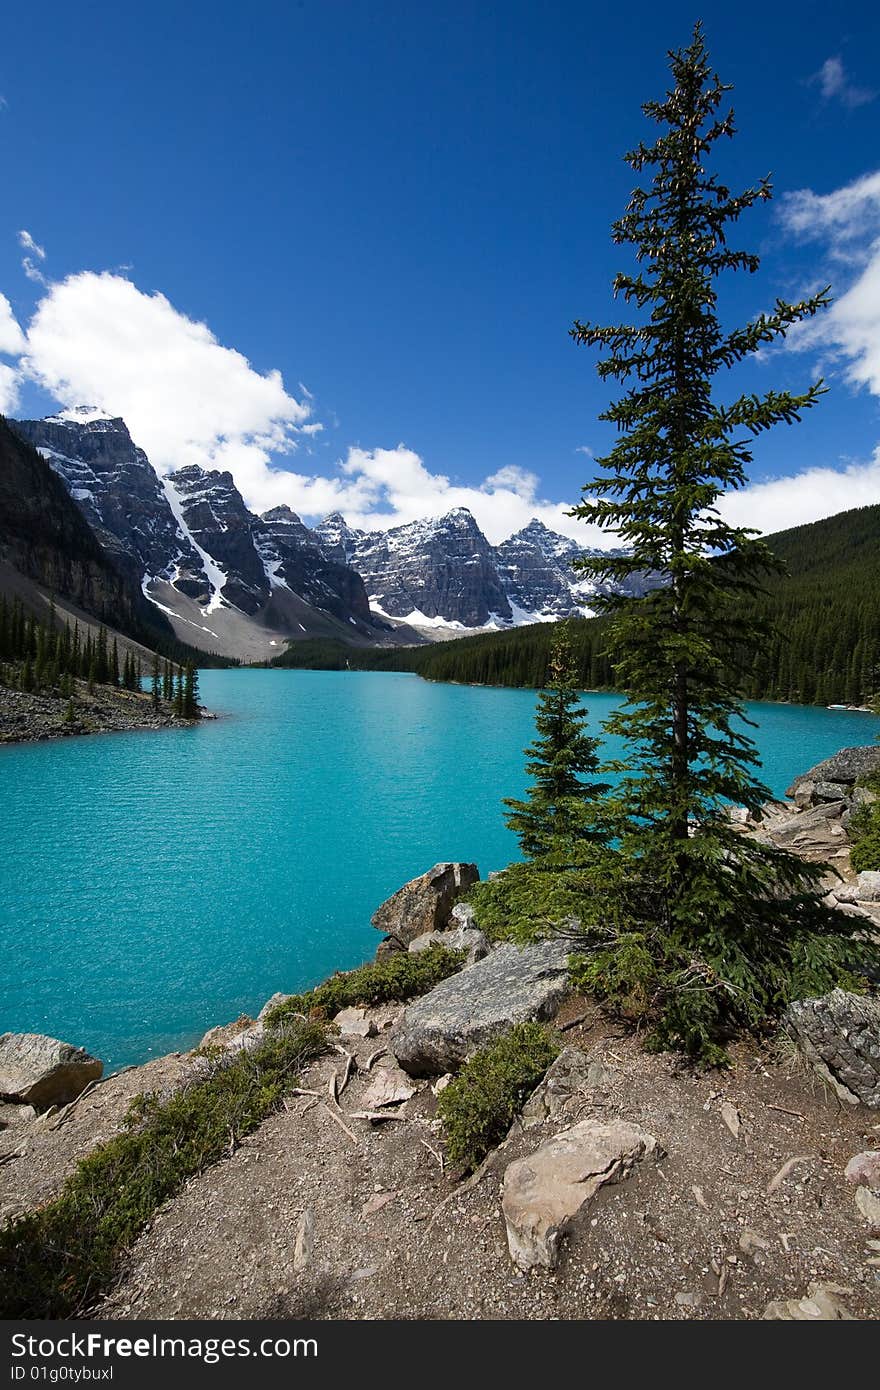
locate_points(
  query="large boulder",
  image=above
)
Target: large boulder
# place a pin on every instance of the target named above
(839, 1034)
(545, 1191)
(40, 1071)
(844, 768)
(438, 1032)
(424, 904)
(813, 834)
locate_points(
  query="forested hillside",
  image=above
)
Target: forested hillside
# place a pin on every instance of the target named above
(826, 611)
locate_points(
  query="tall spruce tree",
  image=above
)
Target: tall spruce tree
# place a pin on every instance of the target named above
(191, 693)
(713, 927)
(555, 816)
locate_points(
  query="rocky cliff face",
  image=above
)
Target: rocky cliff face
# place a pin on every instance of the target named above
(44, 536)
(441, 569)
(120, 496)
(446, 572)
(192, 532)
(292, 555)
(215, 516)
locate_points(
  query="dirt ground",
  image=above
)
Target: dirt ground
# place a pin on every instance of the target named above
(303, 1220)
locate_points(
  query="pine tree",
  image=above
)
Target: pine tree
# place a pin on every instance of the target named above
(156, 681)
(556, 814)
(712, 926)
(191, 693)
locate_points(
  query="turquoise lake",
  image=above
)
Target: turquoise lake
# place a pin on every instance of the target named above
(157, 883)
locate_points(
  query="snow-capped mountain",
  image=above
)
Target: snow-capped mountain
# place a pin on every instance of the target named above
(227, 578)
(444, 572)
(428, 570)
(119, 494)
(193, 547)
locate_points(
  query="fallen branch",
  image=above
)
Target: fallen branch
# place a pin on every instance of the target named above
(776, 1182)
(342, 1125)
(783, 1111)
(434, 1152)
(68, 1109)
(573, 1022)
(374, 1057)
(376, 1115)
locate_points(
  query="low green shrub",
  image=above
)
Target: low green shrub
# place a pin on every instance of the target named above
(864, 829)
(57, 1262)
(397, 976)
(478, 1107)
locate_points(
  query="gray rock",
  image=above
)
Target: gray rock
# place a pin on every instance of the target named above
(355, 1023)
(830, 791)
(424, 904)
(387, 1086)
(868, 1204)
(814, 833)
(40, 1071)
(863, 796)
(572, 1074)
(545, 1191)
(802, 794)
(11, 1115)
(463, 915)
(846, 892)
(271, 1004)
(438, 1032)
(242, 1035)
(869, 886)
(304, 1245)
(864, 1168)
(839, 1034)
(821, 1304)
(469, 939)
(847, 766)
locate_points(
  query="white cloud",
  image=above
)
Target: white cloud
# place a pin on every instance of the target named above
(390, 487)
(26, 240)
(28, 264)
(97, 339)
(9, 389)
(834, 84)
(11, 336)
(844, 217)
(780, 503)
(848, 220)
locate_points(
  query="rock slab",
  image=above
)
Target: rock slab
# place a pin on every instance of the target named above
(424, 904)
(40, 1071)
(845, 767)
(839, 1034)
(572, 1075)
(438, 1032)
(821, 1304)
(544, 1192)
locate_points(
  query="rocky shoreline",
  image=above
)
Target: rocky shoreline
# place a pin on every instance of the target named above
(629, 1186)
(27, 717)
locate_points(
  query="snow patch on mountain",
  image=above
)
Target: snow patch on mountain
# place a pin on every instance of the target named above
(217, 577)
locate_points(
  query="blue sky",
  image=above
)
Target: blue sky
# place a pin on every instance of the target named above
(401, 208)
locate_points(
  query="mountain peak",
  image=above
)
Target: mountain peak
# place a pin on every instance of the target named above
(81, 415)
(283, 515)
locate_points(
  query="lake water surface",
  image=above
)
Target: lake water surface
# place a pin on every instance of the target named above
(156, 883)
